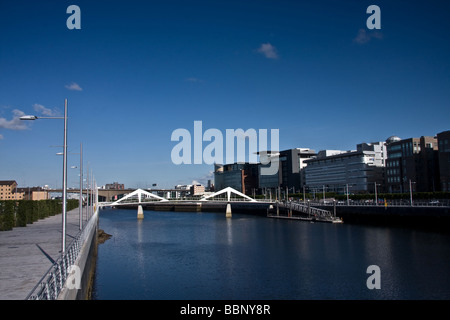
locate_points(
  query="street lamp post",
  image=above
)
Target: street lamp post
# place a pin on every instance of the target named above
(304, 195)
(347, 195)
(376, 196)
(80, 200)
(410, 192)
(64, 204)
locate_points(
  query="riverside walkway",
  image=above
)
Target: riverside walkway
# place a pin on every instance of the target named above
(26, 253)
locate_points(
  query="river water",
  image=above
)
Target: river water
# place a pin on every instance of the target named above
(205, 256)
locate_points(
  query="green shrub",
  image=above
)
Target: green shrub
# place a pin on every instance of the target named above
(7, 221)
(21, 218)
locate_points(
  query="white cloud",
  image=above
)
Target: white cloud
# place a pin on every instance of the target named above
(268, 50)
(45, 111)
(15, 123)
(203, 180)
(1, 137)
(364, 37)
(73, 87)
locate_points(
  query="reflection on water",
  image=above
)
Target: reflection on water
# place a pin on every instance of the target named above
(180, 255)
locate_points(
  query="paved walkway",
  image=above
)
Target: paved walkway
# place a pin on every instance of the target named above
(26, 253)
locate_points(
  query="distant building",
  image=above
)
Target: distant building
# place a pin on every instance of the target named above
(8, 190)
(209, 186)
(360, 170)
(33, 193)
(443, 139)
(182, 190)
(115, 186)
(242, 177)
(412, 162)
(197, 189)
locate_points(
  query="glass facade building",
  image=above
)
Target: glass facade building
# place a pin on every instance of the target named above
(290, 170)
(443, 139)
(358, 171)
(412, 164)
(242, 177)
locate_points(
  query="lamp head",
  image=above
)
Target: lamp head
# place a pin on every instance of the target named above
(28, 117)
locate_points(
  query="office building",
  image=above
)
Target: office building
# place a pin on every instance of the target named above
(358, 171)
(443, 139)
(290, 174)
(412, 164)
(242, 177)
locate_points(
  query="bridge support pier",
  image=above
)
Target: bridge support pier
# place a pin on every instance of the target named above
(228, 211)
(140, 212)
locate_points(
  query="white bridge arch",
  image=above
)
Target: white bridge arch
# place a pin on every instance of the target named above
(228, 191)
(140, 195)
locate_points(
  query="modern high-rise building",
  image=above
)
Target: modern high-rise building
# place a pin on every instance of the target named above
(443, 139)
(242, 177)
(357, 171)
(412, 164)
(290, 175)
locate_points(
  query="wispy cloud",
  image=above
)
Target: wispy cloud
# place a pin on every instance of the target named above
(268, 50)
(204, 179)
(15, 123)
(73, 87)
(1, 137)
(364, 37)
(45, 111)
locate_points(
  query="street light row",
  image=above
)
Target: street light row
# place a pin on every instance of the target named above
(64, 153)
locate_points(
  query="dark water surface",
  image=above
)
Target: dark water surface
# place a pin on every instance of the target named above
(193, 256)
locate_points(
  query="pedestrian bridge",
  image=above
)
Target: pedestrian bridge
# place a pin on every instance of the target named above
(221, 199)
(140, 197)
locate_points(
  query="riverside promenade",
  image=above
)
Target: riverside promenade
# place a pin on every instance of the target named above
(27, 253)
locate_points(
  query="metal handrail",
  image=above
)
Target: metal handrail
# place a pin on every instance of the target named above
(52, 283)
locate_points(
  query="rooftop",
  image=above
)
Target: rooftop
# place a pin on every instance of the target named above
(7, 182)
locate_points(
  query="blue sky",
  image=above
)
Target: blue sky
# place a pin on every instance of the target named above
(138, 70)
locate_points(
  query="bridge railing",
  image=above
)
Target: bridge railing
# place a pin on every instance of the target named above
(396, 203)
(308, 209)
(187, 199)
(52, 283)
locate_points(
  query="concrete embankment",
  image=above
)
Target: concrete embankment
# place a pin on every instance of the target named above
(415, 216)
(86, 263)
